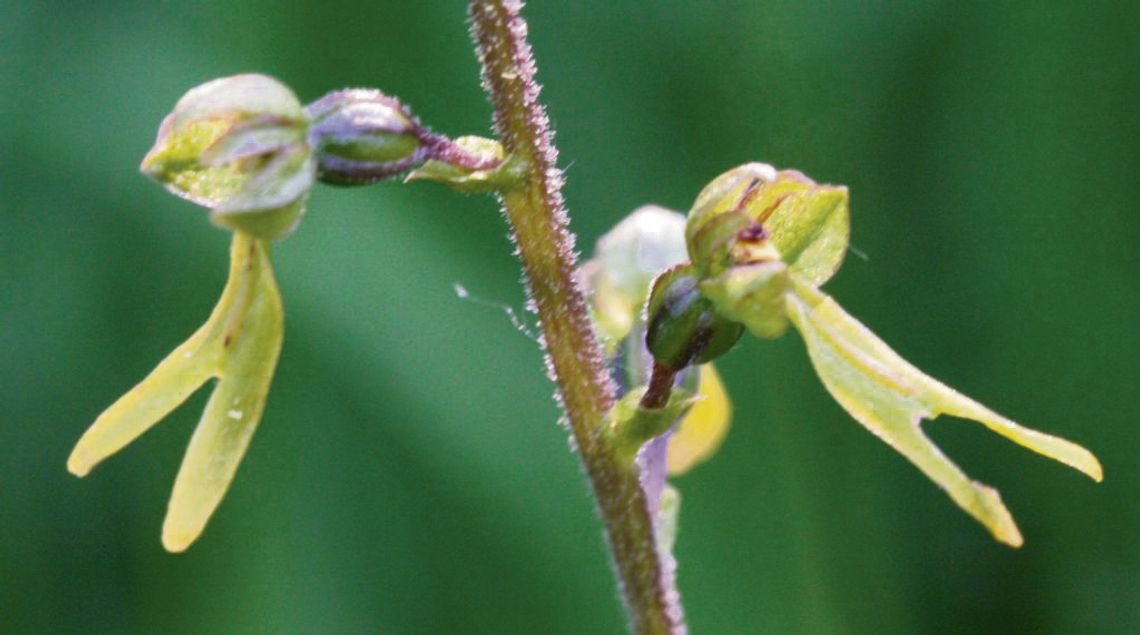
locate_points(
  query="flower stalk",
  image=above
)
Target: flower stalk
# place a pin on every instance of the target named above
(535, 211)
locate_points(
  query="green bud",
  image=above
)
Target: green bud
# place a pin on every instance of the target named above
(753, 295)
(806, 223)
(237, 145)
(363, 136)
(684, 327)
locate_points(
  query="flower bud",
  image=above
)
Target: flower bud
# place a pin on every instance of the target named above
(626, 260)
(642, 245)
(363, 136)
(237, 145)
(684, 327)
(806, 224)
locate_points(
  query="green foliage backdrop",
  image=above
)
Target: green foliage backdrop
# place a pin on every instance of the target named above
(409, 477)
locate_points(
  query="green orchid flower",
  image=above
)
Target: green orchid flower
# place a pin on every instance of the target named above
(763, 241)
(247, 150)
(238, 147)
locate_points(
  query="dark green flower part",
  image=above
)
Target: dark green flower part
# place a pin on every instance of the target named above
(683, 326)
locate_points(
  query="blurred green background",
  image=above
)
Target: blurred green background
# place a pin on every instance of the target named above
(409, 476)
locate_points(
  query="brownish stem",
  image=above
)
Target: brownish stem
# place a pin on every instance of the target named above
(660, 387)
(538, 219)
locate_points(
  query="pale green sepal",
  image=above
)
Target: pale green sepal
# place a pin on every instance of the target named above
(645, 243)
(629, 425)
(234, 409)
(626, 260)
(811, 229)
(890, 397)
(806, 222)
(287, 177)
(725, 192)
(271, 204)
(250, 93)
(753, 295)
(175, 162)
(507, 175)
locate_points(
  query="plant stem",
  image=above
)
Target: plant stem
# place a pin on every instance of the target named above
(660, 387)
(538, 219)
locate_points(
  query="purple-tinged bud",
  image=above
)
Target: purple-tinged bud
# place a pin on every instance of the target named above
(363, 136)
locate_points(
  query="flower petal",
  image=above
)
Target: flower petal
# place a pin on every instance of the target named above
(890, 397)
(174, 379)
(702, 431)
(234, 409)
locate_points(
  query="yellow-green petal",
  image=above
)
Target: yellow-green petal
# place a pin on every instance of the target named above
(890, 397)
(239, 344)
(182, 372)
(252, 345)
(175, 378)
(702, 431)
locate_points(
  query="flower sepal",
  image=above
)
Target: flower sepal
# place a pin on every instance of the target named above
(629, 425)
(804, 222)
(470, 165)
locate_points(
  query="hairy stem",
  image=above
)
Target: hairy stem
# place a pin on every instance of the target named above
(537, 216)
